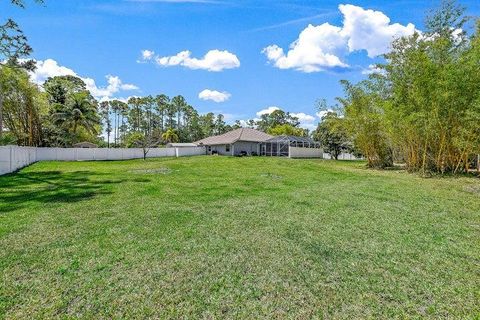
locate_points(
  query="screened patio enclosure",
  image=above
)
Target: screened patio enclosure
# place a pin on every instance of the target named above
(279, 146)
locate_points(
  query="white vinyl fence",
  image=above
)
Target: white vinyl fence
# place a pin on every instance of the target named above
(342, 156)
(13, 158)
(297, 152)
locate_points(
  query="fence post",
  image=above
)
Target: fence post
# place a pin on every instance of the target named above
(10, 161)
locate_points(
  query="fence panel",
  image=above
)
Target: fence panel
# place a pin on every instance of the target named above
(190, 151)
(296, 152)
(13, 158)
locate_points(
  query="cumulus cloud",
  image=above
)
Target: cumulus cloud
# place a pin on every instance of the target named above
(371, 30)
(147, 55)
(323, 47)
(323, 113)
(214, 95)
(372, 69)
(267, 111)
(50, 68)
(315, 49)
(303, 117)
(213, 60)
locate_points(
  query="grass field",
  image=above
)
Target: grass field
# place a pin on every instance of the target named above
(217, 237)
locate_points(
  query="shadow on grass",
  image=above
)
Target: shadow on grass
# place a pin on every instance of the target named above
(19, 189)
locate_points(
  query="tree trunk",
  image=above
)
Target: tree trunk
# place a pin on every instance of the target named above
(478, 163)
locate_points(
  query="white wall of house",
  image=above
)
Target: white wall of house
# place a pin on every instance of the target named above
(13, 158)
(246, 146)
(221, 149)
(296, 152)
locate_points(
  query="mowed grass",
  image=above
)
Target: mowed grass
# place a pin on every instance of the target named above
(245, 238)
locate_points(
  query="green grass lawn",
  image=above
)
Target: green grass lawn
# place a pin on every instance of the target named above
(246, 238)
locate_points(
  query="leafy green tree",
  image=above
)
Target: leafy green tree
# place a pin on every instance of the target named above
(23, 106)
(287, 129)
(332, 134)
(276, 118)
(143, 141)
(207, 124)
(220, 125)
(79, 112)
(434, 93)
(170, 136)
(13, 47)
(59, 88)
(366, 124)
(424, 107)
(237, 124)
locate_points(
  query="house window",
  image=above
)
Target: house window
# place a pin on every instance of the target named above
(209, 148)
(227, 148)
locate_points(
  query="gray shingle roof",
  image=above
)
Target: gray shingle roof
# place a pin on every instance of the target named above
(242, 134)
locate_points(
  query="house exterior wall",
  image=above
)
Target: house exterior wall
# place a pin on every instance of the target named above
(246, 146)
(220, 149)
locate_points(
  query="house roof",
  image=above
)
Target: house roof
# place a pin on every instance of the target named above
(242, 134)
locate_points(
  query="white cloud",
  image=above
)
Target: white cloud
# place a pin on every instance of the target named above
(266, 111)
(214, 60)
(214, 95)
(303, 117)
(306, 121)
(323, 47)
(51, 68)
(370, 30)
(372, 69)
(315, 49)
(323, 113)
(147, 55)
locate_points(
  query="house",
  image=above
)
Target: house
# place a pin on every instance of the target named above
(246, 141)
(236, 142)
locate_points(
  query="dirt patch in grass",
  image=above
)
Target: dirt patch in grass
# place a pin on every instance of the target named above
(475, 189)
(153, 171)
(271, 176)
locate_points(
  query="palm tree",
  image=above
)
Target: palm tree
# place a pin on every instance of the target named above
(170, 136)
(79, 111)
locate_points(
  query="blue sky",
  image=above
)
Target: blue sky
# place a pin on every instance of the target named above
(95, 39)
